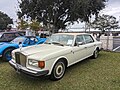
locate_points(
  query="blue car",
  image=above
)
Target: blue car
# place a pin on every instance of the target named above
(7, 47)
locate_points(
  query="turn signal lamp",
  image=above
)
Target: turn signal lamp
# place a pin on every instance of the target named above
(41, 64)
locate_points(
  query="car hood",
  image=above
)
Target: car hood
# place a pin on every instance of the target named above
(43, 51)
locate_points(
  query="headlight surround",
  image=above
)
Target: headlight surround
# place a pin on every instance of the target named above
(40, 64)
(33, 62)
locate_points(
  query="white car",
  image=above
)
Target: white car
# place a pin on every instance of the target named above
(60, 51)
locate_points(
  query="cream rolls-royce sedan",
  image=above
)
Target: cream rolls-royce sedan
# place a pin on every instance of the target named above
(60, 51)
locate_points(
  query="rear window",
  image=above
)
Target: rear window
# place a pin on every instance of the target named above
(88, 39)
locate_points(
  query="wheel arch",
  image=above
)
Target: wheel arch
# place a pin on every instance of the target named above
(8, 48)
(62, 58)
(97, 48)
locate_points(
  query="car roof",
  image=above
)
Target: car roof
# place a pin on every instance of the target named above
(73, 33)
(30, 36)
(27, 36)
(13, 32)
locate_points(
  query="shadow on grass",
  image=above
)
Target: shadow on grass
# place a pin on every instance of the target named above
(22, 78)
(78, 65)
(2, 61)
(45, 79)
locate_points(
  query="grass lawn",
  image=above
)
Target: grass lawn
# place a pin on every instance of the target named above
(91, 74)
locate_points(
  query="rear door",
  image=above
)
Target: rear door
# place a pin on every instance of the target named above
(90, 45)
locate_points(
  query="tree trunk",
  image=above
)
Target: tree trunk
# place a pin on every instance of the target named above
(55, 29)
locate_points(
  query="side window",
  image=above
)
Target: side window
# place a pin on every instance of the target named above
(2, 36)
(5, 35)
(88, 39)
(17, 35)
(9, 35)
(79, 38)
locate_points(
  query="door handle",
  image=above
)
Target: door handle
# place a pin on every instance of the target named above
(85, 47)
(72, 51)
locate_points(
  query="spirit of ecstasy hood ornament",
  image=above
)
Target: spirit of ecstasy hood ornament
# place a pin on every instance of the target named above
(20, 45)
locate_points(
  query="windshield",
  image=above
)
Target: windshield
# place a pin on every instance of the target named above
(60, 39)
(18, 40)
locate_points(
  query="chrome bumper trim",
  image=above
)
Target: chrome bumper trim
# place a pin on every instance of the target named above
(24, 70)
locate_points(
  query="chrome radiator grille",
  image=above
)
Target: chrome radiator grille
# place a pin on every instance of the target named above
(20, 58)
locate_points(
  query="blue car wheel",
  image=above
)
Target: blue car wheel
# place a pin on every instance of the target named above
(7, 54)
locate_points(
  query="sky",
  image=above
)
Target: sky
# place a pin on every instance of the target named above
(112, 8)
(10, 8)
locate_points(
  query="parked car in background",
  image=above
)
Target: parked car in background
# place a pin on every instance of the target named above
(9, 36)
(23, 41)
(55, 55)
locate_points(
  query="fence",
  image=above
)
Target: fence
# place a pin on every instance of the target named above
(111, 43)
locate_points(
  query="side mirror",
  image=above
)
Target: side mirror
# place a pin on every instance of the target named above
(79, 43)
(20, 43)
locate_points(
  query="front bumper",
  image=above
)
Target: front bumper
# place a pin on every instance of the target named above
(24, 70)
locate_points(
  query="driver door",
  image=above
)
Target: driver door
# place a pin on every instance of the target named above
(79, 50)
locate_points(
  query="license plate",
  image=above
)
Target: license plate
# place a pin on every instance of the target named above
(18, 66)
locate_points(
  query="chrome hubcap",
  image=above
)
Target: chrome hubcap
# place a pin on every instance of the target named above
(59, 70)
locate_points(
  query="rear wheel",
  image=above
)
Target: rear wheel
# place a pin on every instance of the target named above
(7, 54)
(95, 54)
(58, 71)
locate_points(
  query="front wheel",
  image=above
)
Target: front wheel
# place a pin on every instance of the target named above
(58, 71)
(7, 54)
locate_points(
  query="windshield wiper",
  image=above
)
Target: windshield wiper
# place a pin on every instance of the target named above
(47, 43)
(58, 43)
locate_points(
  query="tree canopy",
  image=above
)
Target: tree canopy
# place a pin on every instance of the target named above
(22, 24)
(5, 20)
(105, 22)
(33, 25)
(60, 13)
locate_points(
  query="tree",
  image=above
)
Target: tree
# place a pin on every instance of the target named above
(5, 20)
(60, 13)
(22, 24)
(29, 25)
(105, 22)
(34, 25)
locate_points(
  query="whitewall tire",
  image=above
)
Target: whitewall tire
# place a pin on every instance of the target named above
(58, 71)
